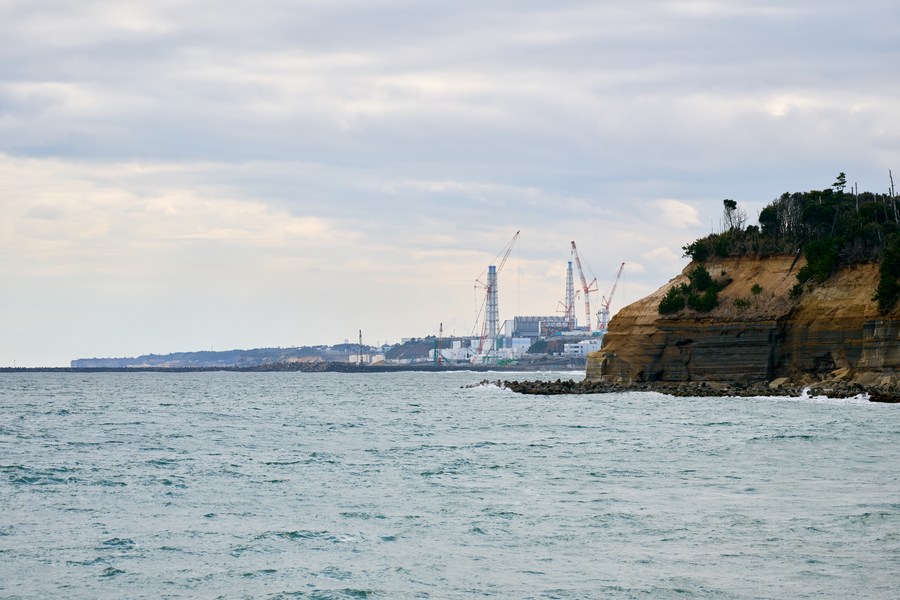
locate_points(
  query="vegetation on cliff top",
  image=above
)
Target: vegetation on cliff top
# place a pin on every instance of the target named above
(833, 228)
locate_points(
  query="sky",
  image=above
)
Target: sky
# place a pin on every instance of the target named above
(199, 175)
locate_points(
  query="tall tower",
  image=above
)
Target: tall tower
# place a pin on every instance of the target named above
(493, 308)
(570, 297)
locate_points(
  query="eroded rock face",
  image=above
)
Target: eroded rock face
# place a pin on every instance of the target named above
(755, 337)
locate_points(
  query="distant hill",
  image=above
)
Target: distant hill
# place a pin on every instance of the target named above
(227, 358)
(416, 348)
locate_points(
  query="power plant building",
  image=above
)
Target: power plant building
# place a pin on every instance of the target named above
(537, 326)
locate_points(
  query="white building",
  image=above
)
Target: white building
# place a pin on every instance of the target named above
(456, 353)
(366, 359)
(583, 348)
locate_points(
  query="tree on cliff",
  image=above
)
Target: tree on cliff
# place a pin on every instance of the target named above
(673, 301)
(733, 216)
(840, 183)
(888, 291)
(701, 294)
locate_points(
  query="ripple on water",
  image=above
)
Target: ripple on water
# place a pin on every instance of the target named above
(326, 594)
(22, 475)
(118, 543)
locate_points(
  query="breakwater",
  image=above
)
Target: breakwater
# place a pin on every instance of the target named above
(699, 389)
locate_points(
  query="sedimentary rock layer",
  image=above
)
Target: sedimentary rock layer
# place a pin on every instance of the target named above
(831, 330)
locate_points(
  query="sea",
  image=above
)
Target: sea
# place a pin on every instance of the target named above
(417, 485)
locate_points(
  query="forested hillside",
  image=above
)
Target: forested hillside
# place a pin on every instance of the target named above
(831, 228)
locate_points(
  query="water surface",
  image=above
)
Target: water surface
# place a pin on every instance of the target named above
(406, 485)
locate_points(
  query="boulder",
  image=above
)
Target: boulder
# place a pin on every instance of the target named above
(842, 374)
(777, 384)
(867, 378)
(887, 380)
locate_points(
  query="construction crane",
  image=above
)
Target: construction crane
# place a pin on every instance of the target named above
(588, 288)
(603, 315)
(490, 307)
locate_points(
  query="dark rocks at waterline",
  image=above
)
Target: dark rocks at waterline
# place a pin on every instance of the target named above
(569, 386)
(695, 389)
(891, 397)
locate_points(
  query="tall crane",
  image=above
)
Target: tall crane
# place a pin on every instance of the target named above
(588, 288)
(491, 305)
(603, 315)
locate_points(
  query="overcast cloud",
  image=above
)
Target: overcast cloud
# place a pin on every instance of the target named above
(186, 175)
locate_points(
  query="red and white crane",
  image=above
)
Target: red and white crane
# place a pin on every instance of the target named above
(588, 288)
(603, 315)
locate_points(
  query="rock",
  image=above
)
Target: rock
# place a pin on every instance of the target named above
(843, 374)
(777, 384)
(805, 380)
(887, 381)
(884, 396)
(866, 379)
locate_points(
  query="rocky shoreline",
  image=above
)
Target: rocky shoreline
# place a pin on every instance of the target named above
(830, 389)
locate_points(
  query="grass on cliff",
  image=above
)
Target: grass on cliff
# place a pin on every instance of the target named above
(832, 229)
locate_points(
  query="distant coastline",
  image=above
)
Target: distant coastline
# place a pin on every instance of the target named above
(315, 367)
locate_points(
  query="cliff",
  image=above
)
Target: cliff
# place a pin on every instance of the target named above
(831, 332)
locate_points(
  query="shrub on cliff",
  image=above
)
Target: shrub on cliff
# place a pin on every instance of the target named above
(821, 260)
(697, 250)
(701, 294)
(742, 303)
(700, 279)
(704, 302)
(673, 301)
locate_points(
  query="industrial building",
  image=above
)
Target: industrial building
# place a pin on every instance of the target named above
(583, 348)
(535, 327)
(513, 337)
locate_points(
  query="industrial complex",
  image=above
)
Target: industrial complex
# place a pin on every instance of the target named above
(509, 340)
(527, 341)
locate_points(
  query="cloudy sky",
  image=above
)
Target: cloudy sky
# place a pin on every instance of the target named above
(191, 175)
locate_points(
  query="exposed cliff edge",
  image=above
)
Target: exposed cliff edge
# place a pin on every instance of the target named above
(758, 332)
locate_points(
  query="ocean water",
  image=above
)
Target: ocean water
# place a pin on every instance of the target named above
(407, 485)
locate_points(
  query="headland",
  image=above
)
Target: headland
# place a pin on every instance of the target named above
(806, 300)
